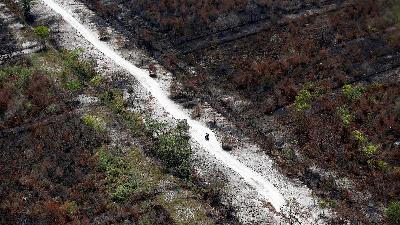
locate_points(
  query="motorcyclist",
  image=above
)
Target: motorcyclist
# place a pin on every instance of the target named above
(207, 136)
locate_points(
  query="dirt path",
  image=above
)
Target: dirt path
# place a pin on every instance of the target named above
(269, 185)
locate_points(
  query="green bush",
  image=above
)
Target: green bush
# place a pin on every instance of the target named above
(328, 203)
(135, 122)
(393, 212)
(302, 100)
(369, 150)
(359, 136)
(22, 74)
(84, 70)
(118, 170)
(123, 190)
(73, 85)
(71, 208)
(394, 12)
(353, 93)
(42, 32)
(174, 150)
(96, 80)
(345, 115)
(382, 165)
(114, 101)
(94, 122)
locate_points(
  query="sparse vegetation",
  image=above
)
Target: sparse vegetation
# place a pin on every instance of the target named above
(393, 212)
(174, 150)
(120, 182)
(328, 203)
(359, 136)
(353, 93)
(83, 69)
(73, 85)
(94, 122)
(302, 100)
(345, 115)
(258, 51)
(369, 150)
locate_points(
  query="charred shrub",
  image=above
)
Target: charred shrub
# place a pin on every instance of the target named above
(5, 98)
(39, 91)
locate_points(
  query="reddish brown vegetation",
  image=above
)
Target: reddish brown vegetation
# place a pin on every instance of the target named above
(351, 44)
(24, 100)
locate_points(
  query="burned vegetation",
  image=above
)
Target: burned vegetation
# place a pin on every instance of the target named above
(58, 164)
(325, 71)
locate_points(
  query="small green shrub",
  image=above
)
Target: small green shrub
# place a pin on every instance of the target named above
(94, 122)
(345, 115)
(328, 203)
(369, 150)
(114, 101)
(120, 180)
(71, 208)
(122, 191)
(382, 165)
(353, 93)
(96, 80)
(394, 12)
(42, 32)
(302, 100)
(393, 212)
(174, 150)
(105, 161)
(22, 74)
(84, 70)
(135, 122)
(359, 136)
(73, 85)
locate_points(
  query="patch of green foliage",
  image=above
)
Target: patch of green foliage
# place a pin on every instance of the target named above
(393, 212)
(118, 171)
(42, 32)
(369, 150)
(114, 101)
(123, 190)
(306, 95)
(345, 115)
(133, 120)
(172, 145)
(96, 80)
(328, 203)
(73, 85)
(353, 93)
(71, 208)
(174, 149)
(382, 165)
(94, 122)
(83, 69)
(359, 136)
(302, 100)
(21, 73)
(394, 12)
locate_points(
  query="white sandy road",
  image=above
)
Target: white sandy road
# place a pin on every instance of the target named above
(197, 130)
